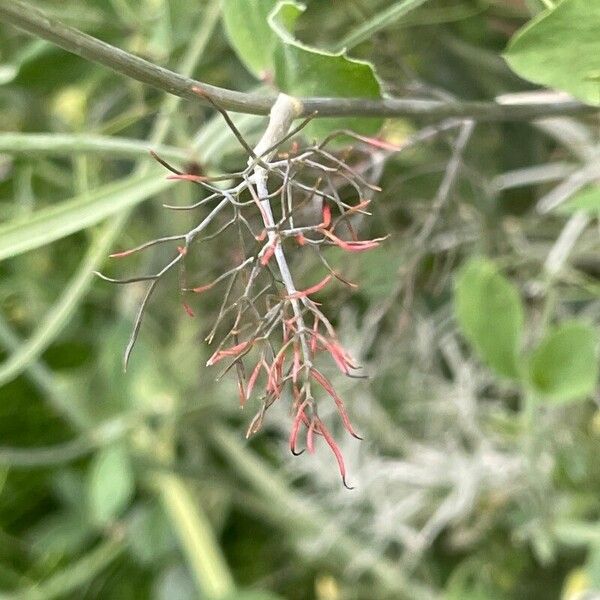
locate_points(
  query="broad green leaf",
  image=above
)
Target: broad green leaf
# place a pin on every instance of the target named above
(561, 49)
(304, 71)
(249, 33)
(260, 32)
(587, 200)
(55, 222)
(110, 484)
(490, 315)
(565, 365)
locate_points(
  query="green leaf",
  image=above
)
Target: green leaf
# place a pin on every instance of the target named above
(249, 33)
(59, 534)
(586, 200)
(304, 71)
(564, 366)
(561, 49)
(55, 222)
(490, 315)
(260, 32)
(149, 534)
(110, 485)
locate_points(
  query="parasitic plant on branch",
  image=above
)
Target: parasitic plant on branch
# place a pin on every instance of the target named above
(270, 332)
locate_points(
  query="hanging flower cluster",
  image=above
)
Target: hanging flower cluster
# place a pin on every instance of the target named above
(270, 332)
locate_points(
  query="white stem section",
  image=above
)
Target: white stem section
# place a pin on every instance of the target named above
(282, 115)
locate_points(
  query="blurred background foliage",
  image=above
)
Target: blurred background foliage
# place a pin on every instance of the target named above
(479, 475)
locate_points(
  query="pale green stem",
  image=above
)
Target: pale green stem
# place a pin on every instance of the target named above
(58, 144)
(204, 556)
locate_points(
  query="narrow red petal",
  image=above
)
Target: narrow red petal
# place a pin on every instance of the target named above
(122, 254)
(300, 239)
(310, 438)
(241, 393)
(379, 143)
(252, 380)
(295, 428)
(311, 290)
(296, 363)
(340, 356)
(326, 216)
(266, 257)
(360, 206)
(202, 288)
(187, 177)
(326, 385)
(336, 452)
(353, 246)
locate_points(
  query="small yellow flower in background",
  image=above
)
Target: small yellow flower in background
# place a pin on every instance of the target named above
(596, 423)
(326, 588)
(70, 105)
(576, 585)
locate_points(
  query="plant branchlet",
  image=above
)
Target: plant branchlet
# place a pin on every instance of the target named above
(269, 331)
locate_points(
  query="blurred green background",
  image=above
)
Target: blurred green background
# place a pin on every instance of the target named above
(142, 485)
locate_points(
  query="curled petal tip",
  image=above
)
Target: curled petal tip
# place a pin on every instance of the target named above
(296, 452)
(348, 487)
